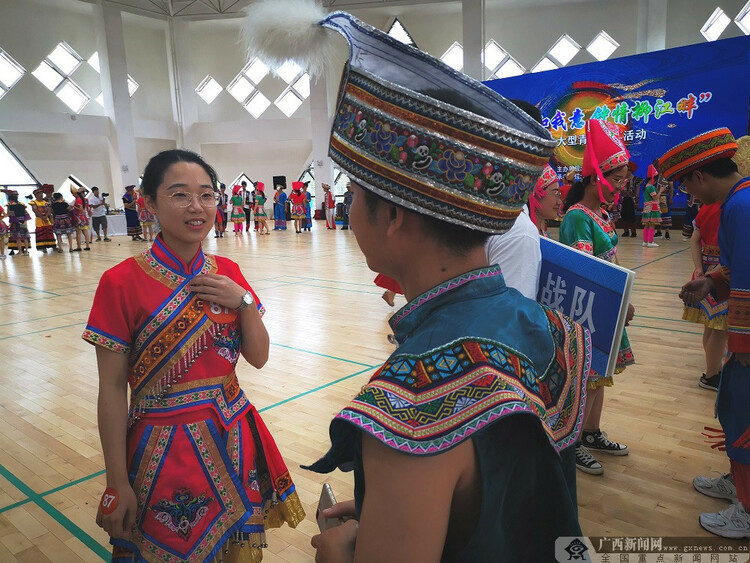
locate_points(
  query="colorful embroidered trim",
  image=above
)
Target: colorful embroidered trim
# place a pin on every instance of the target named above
(99, 338)
(432, 158)
(696, 152)
(453, 283)
(429, 403)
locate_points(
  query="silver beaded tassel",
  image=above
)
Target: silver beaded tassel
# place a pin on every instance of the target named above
(172, 377)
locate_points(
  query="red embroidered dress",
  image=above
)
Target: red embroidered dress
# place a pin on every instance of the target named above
(205, 470)
(709, 311)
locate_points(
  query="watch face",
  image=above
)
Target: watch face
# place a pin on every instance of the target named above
(247, 299)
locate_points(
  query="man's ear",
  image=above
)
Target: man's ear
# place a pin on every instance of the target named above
(397, 220)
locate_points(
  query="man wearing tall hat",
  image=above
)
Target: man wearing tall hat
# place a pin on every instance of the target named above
(45, 237)
(455, 440)
(704, 165)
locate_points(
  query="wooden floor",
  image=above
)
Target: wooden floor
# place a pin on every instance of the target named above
(328, 332)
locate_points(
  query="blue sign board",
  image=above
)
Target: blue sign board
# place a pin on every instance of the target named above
(590, 291)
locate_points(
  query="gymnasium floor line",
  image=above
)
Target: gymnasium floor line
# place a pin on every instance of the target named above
(657, 259)
(80, 534)
(321, 355)
(56, 515)
(316, 389)
(29, 288)
(45, 318)
(665, 329)
(52, 491)
(67, 296)
(332, 281)
(43, 330)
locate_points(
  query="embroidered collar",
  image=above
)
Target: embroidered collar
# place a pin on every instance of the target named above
(411, 315)
(604, 222)
(169, 259)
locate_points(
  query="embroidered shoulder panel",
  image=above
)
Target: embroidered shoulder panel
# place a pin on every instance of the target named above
(428, 403)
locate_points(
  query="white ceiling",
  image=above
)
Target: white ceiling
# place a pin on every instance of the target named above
(231, 8)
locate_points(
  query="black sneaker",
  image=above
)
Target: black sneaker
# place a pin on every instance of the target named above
(586, 462)
(710, 383)
(598, 442)
(657, 234)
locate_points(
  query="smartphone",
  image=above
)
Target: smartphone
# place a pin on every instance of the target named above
(327, 500)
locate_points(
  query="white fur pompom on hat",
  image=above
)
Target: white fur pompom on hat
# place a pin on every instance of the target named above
(278, 31)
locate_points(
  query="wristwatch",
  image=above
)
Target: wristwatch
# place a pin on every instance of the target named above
(247, 300)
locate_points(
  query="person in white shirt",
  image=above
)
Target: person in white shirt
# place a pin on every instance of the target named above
(518, 254)
(98, 214)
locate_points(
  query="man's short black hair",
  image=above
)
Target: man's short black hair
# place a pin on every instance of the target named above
(456, 238)
(722, 168)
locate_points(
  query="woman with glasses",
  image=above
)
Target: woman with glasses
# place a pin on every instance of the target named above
(191, 468)
(588, 228)
(545, 202)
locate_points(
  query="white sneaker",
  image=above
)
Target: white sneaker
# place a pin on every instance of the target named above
(732, 522)
(721, 486)
(652, 245)
(645, 244)
(586, 462)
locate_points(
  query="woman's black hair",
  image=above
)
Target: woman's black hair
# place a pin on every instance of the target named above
(578, 190)
(153, 175)
(576, 193)
(56, 196)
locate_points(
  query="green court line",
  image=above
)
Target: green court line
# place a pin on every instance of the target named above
(334, 281)
(306, 284)
(315, 389)
(15, 505)
(44, 318)
(657, 259)
(666, 329)
(38, 331)
(58, 516)
(52, 491)
(320, 354)
(663, 319)
(659, 285)
(29, 288)
(72, 483)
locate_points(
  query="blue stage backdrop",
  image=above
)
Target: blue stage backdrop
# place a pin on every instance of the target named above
(657, 99)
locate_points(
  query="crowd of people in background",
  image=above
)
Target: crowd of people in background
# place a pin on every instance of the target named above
(58, 222)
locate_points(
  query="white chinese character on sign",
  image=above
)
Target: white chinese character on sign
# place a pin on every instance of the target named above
(640, 134)
(553, 293)
(581, 312)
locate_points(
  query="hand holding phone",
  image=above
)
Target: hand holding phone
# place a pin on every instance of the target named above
(327, 500)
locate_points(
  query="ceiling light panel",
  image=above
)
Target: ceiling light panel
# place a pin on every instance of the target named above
(10, 71)
(564, 49)
(602, 46)
(715, 25)
(65, 58)
(544, 64)
(209, 89)
(454, 56)
(48, 76)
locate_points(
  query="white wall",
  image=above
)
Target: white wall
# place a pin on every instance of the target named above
(39, 126)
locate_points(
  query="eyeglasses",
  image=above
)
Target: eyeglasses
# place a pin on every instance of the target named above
(618, 181)
(184, 199)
